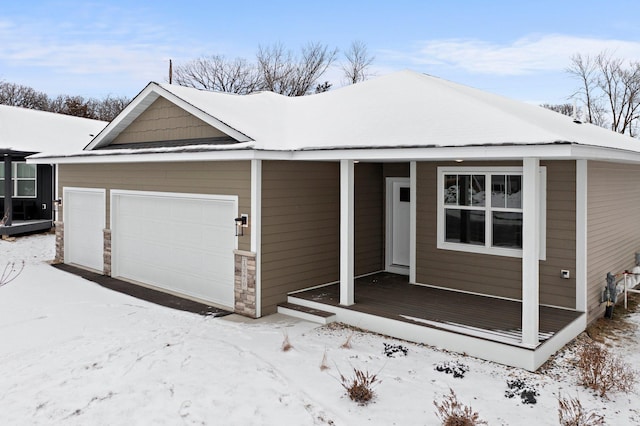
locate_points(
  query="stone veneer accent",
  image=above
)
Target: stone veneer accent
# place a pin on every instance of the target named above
(245, 283)
(59, 227)
(106, 257)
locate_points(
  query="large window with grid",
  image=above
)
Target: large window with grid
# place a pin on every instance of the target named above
(480, 210)
(23, 180)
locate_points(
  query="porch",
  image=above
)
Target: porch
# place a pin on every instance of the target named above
(481, 326)
(25, 227)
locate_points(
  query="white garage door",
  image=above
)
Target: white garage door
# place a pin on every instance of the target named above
(179, 242)
(84, 222)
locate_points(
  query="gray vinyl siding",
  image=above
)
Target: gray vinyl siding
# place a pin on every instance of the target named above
(369, 218)
(613, 234)
(219, 178)
(498, 275)
(396, 169)
(479, 273)
(370, 208)
(561, 235)
(300, 228)
(164, 121)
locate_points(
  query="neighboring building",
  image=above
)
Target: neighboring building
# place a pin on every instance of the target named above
(24, 132)
(495, 221)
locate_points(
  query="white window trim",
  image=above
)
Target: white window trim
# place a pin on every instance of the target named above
(15, 179)
(487, 248)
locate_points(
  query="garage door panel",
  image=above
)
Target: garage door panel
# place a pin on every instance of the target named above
(214, 215)
(186, 211)
(84, 219)
(187, 249)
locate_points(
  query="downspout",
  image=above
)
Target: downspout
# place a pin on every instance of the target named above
(8, 191)
(55, 205)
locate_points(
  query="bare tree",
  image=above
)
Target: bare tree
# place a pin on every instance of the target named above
(621, 87)
(283, 72)
(565, 109)
(22, 96)
(357, 63)
(275, 65)
(100, 109)
(323, 87)
(105, 109)
(218, 73)
(609, 89)
(584, 69)
(108, 108)
(77, 106)
(276, 69)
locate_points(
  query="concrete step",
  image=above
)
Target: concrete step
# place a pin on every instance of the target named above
(306, 313)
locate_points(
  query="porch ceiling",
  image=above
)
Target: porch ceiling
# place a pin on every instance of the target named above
(391, 296)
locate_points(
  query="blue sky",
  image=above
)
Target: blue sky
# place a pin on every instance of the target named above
(517, 49)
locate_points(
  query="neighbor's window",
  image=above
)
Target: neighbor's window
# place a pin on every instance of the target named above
(480, 210)
(23, 177)
(25, 180)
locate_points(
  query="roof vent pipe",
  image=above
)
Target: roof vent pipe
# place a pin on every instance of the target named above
(575, 113)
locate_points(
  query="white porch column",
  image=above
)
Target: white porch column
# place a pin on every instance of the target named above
(581, 235)
(346, 232)
(530, 250)
(413, 179)
(255, 226)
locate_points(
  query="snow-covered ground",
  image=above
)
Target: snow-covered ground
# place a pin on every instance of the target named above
(74, 353)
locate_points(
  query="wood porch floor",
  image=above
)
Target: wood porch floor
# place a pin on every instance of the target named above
(391, 296)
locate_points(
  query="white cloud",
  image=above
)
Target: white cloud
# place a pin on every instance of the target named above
(110, 46)
(551, 52)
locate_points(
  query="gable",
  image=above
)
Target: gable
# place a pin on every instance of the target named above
(164, 121)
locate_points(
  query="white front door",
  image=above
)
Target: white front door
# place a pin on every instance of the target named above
(398, 225)
(84, 223)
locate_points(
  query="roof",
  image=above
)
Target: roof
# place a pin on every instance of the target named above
(28, 130)
(401, 110)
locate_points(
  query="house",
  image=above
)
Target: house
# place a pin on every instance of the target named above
(407, 205)
(24, 132)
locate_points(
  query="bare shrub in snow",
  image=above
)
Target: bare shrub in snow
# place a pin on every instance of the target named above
(456, 368)
(452, 412)
(571, 413)
(360, 386)
(324, 365)
(11, 272)
(524, 390)
(286, 345)
(602, 371)
(392, 350)
(347, 343)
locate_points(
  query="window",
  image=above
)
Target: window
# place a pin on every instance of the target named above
(480, 210)
(24, 177)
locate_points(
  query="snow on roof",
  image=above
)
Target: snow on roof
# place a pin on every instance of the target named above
(29, 130)
(402, 109)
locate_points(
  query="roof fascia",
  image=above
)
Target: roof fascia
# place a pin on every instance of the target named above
(467, 153)
(140, 104)
(126, 117)
(160, 157)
